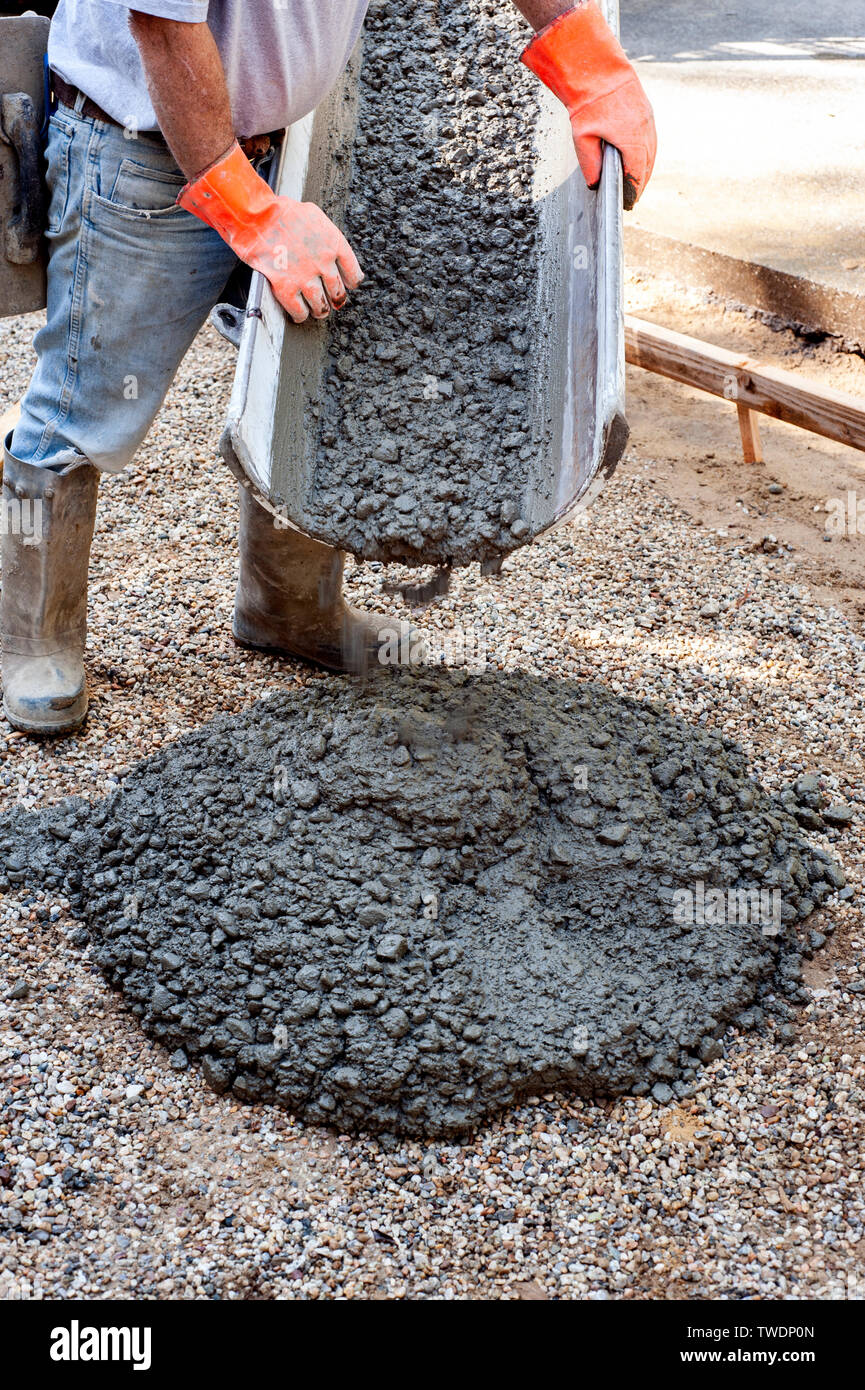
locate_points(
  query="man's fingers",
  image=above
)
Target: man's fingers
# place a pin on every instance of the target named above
(316, 298)
(332, 238)
(312, 265)
(591, 157)
(637, 161)
(640, 162)
(348, 264)
(318, 302)
(333, 284)
(630, 192)
(637, 169)
(295, 306)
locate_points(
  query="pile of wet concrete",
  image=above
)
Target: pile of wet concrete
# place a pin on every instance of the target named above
(402, 906)
(426, 427)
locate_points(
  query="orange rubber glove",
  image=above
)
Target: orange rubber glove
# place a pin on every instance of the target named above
(580, 59)
(307, 260)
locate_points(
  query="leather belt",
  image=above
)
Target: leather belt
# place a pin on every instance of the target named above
(254, 146)
(68, 96)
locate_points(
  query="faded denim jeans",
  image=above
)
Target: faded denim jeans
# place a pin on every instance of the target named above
(131, 279)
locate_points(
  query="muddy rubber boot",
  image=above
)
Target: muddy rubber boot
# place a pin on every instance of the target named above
(290, 599)
(48, 521)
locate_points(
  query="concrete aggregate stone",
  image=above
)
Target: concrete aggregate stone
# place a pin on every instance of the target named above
(478, 903)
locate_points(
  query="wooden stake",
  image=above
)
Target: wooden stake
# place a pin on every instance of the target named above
(749, 428)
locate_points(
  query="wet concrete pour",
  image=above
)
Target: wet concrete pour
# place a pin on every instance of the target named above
(434, 398)
(402, 906)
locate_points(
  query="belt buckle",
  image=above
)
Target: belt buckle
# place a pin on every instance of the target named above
(256, 147)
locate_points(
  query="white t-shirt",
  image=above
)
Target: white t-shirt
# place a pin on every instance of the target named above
(280, 56)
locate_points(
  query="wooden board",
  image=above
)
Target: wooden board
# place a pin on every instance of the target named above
(745, 383)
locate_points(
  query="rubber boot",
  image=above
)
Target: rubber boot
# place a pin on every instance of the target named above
(48, 521)
(290, 599)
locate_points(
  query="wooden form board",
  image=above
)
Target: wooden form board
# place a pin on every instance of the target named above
(746, 384)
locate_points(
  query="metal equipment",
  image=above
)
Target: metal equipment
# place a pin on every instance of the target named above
(271, 437)
(23, 44)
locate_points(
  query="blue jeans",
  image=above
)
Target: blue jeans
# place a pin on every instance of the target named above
(131, 279)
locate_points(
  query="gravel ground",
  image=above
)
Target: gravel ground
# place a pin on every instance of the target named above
(120, 1176)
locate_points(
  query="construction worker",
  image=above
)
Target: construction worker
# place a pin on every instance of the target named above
(161, 124)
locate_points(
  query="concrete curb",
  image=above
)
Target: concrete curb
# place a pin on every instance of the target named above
(798, 302)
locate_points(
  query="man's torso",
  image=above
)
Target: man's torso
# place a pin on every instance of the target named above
(280, 56)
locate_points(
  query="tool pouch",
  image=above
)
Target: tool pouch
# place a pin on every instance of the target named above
(23, 196)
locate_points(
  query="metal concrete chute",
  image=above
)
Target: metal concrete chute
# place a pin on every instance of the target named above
(267, 448)
(577, 427)
(579, 399)
(260, 334)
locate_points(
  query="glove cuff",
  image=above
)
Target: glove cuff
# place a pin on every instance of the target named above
(578, 56)
(228, 196)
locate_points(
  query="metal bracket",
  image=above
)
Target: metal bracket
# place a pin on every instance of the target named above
(227, 319)
(20, 129)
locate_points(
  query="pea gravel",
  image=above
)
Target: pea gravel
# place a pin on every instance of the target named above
(121, 1176)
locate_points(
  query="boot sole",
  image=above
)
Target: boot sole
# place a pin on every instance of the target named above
(335, 666)
(26, 726)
